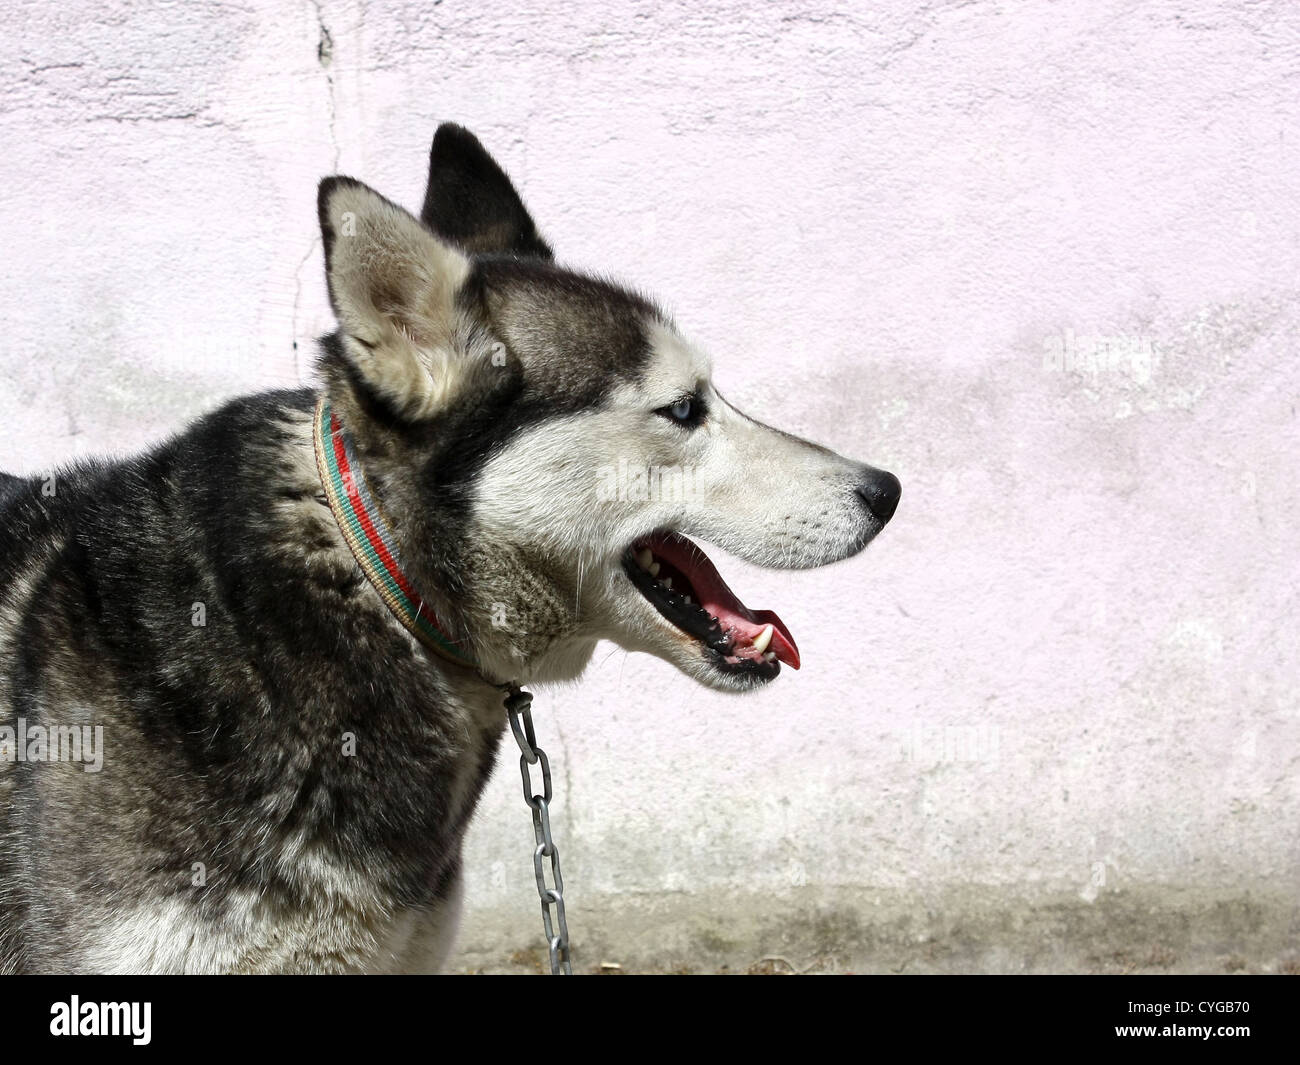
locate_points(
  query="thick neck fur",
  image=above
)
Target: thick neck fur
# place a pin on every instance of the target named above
(517, 613)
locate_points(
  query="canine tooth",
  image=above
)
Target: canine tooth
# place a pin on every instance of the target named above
(644, 558)
(654, 569)
(763, 639)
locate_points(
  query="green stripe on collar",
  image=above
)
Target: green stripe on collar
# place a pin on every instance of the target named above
(372, 541)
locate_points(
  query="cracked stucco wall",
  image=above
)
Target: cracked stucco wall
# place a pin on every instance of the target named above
(1040, 260)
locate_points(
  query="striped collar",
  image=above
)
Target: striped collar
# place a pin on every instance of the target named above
(372, 540)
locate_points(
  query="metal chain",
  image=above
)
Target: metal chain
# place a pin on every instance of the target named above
(518, 706)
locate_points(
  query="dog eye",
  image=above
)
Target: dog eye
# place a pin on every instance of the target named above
(687, 411)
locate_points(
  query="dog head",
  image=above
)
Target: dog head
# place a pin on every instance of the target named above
(548, 445)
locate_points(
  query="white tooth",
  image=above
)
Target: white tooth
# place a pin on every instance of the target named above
(763, 639)
(769, 656)
(687, 598)
(644, 558)
(654, 569)
(667, 582)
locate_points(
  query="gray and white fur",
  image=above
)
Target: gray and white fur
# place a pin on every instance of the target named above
(487, 391)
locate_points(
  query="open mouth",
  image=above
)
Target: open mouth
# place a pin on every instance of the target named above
(685, 587)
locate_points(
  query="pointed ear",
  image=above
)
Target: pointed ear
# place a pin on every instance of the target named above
(394, 288)
(471, 203)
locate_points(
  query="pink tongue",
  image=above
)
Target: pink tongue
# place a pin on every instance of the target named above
(713, 595)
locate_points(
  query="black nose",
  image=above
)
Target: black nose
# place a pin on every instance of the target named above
(880, 491)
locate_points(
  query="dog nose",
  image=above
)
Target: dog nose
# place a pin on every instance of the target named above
(880, 491)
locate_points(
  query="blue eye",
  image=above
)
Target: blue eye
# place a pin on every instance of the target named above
(687, 412)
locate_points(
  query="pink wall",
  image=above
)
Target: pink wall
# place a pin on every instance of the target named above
(1065, 675)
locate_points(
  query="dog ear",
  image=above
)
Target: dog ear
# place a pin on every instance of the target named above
(471, 202)
(393, 286)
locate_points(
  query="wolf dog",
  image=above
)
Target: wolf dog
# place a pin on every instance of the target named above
(285, 631)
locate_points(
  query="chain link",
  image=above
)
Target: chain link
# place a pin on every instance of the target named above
(518, 707)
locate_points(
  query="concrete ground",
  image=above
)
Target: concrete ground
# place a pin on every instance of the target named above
(967, 930)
